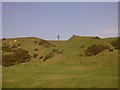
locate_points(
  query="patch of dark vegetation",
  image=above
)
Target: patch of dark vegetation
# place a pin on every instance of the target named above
(95, 49)
(35, 55)
(57, 51)
(12, 55)
(6, 48)
(15, 57)
(35, 41)
(116, 44)
(35, 49)
(97, 37)
(46, 44)
(22, 54)
(80, 55)
(48, 56)
(40, 57)
(82, 47)
(52, 54)
(3, 38)
(19, 44)
(110, 50)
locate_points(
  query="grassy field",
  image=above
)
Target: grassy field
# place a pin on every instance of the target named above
(69, 69)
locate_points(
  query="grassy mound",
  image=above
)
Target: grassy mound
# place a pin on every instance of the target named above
(65, 65)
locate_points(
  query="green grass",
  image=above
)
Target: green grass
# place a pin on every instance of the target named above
(65, 70)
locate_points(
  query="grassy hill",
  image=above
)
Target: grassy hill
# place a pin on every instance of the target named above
(80, 62)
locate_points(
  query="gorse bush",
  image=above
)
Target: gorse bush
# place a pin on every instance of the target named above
(52, 54)
(40, 57)
(95, 49)
(35, 55)
(6, 48)
(97, 37)
(35, 41)
(3, 38)
(35, 49)
(46, 44)
(22, 54)
(48, 56)
(15, 57)
(116, 44)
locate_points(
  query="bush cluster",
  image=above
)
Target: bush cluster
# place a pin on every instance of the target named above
(35, 41)
(40, 57)
(97, 37)
(35, 55)
(46, 44)
(48, 56)
(35, 49)
(116, 44)
(95, 49)
(16, 57)
(51, 54)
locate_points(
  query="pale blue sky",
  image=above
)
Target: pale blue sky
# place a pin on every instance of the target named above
(60, 0)
(0, 19)
(47, 20)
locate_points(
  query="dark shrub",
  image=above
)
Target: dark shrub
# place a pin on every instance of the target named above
(35, 49)
(80, 55)
(82, 47)
(110, 50)
(22, 54)
(97, 37)
(16, 57)
(57, 51)
(35, 55)
(7, 49)
(46, 44)
(51, 54)
(48, 56)
(3, 38)
(95, 49)
(41, 57)
(9, 60)
(54, 49)
(35, 41)
(116, 44)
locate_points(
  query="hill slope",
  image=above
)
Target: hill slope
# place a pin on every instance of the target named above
(83, 62)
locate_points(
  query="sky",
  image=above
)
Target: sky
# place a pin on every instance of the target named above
(48, 19)
(0, 19)
(60, 0)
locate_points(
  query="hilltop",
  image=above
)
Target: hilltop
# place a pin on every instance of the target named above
(81, 61)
